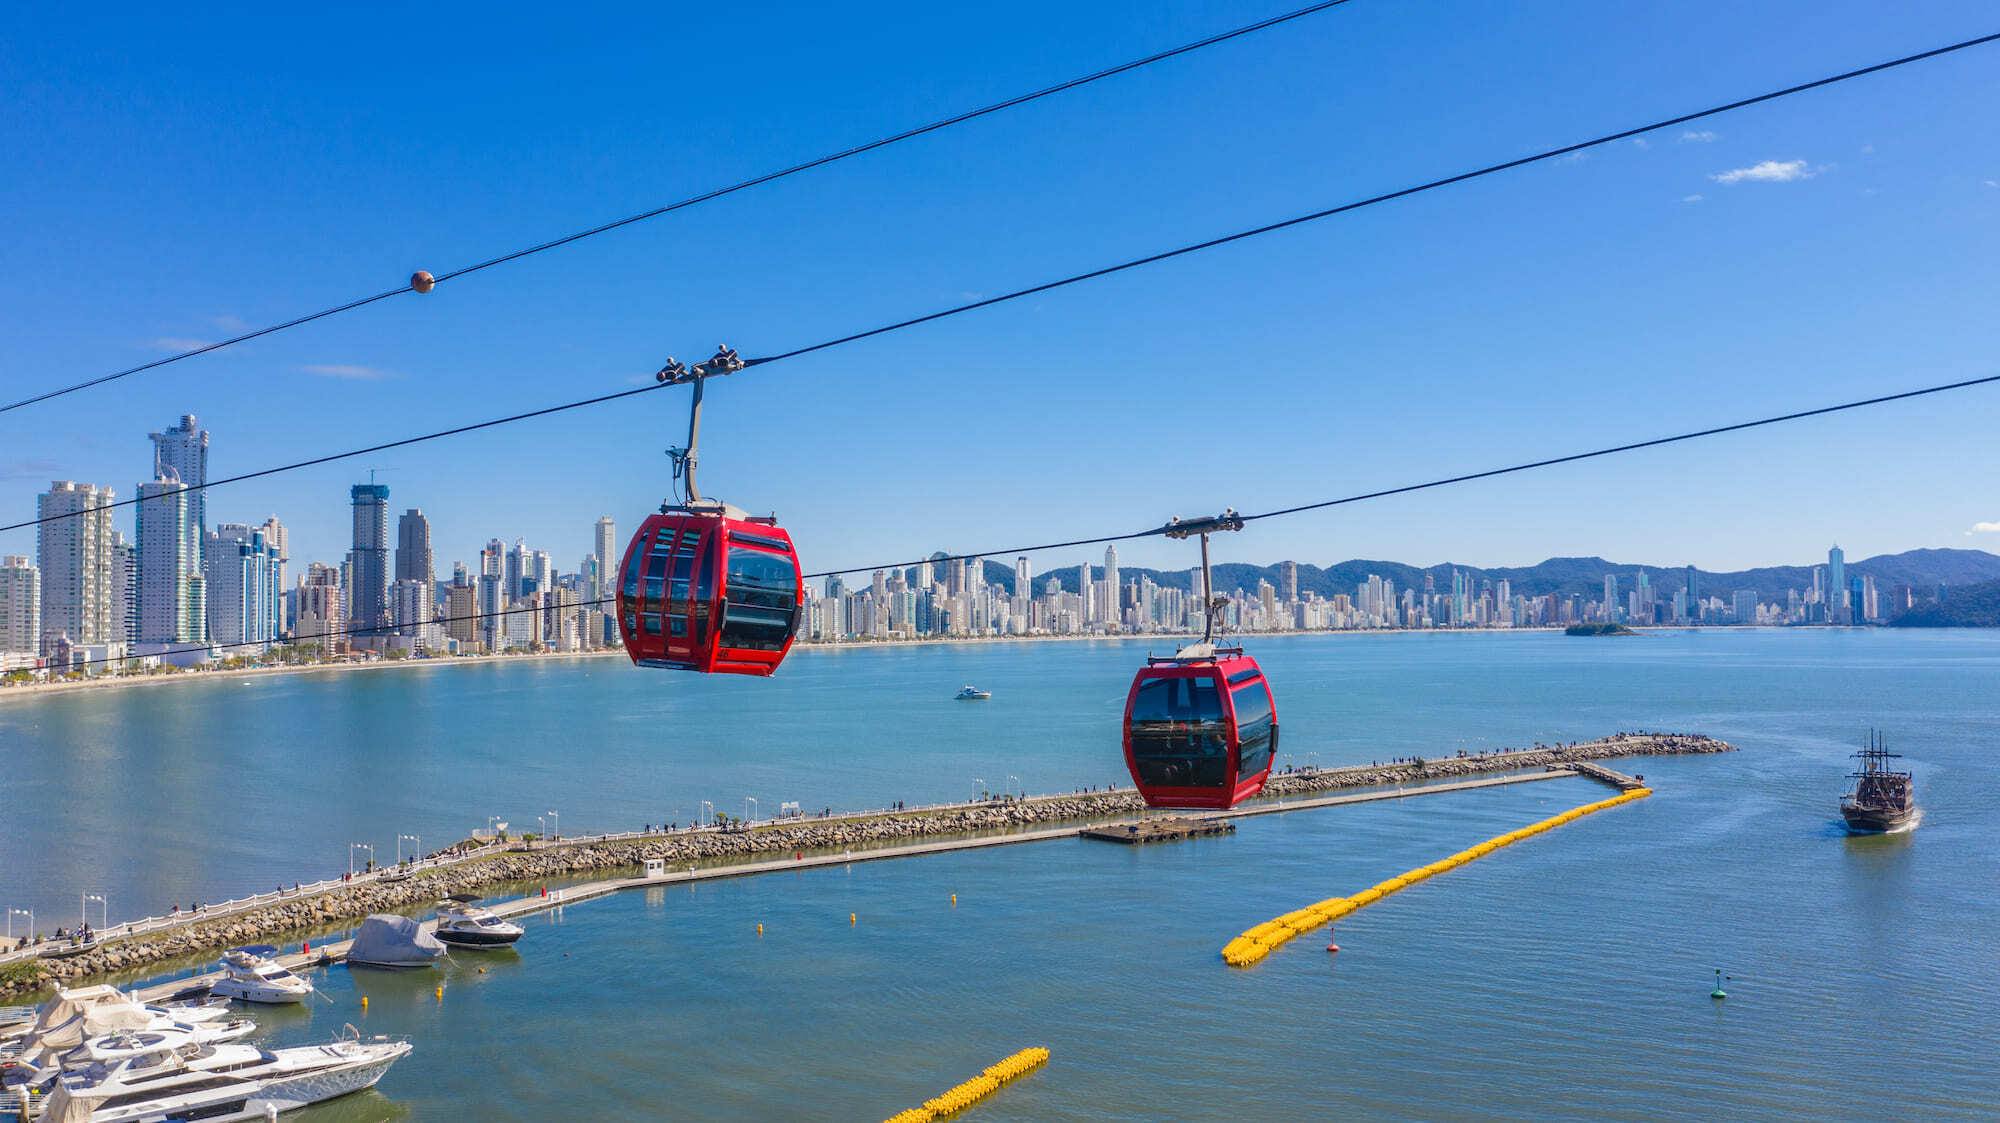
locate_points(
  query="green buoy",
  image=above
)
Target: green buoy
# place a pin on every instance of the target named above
(1718, 992)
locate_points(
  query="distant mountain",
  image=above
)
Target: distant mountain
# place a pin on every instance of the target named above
(1924, 569)
(1964, 606)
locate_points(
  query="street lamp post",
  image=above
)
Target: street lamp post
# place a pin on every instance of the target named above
(1014, 784)
(556, 824)
(978, 785)
(707, 813)
(749, 808)
(542, 825)
(400, 839)
(103, 916)
(12, 913)
(351, 848)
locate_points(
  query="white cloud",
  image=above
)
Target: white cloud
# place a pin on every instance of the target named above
(1693, 137)
(1573, 158)
(230, 324)
(347, 370)
(1642, 143)
(177, 343)
(1767, 171)
(1993, 183)
(1690, 198)
(1867, 148)
(1986, 528)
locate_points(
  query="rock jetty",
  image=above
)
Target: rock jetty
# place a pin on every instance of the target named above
(349, 903)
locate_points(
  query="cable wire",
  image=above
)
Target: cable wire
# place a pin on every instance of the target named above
(706, 196)
(1448, 481)
(1329, 212)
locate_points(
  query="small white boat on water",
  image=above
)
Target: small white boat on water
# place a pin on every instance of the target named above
(251, 975)
(463, 924)
(973, 694)
(173, 1079)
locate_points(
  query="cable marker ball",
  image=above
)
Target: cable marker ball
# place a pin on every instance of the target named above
(422, 281)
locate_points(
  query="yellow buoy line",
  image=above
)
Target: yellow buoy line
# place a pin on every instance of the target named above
(978, 1088)
(1258, 942)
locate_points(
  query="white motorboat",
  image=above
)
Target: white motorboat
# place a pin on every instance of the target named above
(251, 975)
(75, 1016)
(58, 1051)
(462, 923)
(973, 694)
(223, 1084)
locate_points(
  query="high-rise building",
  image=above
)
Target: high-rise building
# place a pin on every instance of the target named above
(413, 612)
(492, 592)
(1111, 584)
(240, 570)
(607, 555)
(517, 568)
(172, 593)
(320, 613)
(413, 548)
(1611, 607)
(1693, 595)
(279, 541)
(181, 453)
(460, 607)
(1746, 606)
(368, 571)
(1288, 581)
(124, 589)
(73, 552)
(1837, 611)
(20, 608)
(1023, 579)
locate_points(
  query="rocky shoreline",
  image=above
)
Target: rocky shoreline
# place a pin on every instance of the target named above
(304, 914)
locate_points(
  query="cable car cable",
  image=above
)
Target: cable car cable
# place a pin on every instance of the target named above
(1329, 212)
(1170, 527)
(1459, 479)
(427, 281)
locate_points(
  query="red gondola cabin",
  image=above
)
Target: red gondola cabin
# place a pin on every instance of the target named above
(1200, 732)
(703, 591)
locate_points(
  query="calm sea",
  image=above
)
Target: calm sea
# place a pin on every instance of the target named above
(1564, 978)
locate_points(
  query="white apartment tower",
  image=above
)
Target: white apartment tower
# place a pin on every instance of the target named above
(75, 558)
(20, 608)
(241, 571)
(181, 453)
(607, 555)
(172, 597)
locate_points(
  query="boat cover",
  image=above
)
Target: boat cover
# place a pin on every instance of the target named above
(75, 1015)
(66, 1106)
(393, 941)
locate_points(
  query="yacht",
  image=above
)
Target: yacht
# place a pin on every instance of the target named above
(462, 923)
(251, 975)
(75, 1016)
(38, 1066)
(971, 694)
(169, 1078)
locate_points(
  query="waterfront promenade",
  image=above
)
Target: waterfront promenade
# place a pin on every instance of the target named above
(832, 839)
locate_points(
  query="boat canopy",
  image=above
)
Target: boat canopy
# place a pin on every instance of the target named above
(395, 941)
(261, 951)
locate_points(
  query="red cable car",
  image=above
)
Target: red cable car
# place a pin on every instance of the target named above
(705, 587)
(1201, 728)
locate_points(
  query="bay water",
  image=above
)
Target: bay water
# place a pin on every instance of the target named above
(1566, 977)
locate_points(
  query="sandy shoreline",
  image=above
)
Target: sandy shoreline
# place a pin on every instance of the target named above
(108, 682)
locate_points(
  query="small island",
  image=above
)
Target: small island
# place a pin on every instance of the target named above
(1598, 629)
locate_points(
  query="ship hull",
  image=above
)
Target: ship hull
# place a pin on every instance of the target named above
(1877, 820)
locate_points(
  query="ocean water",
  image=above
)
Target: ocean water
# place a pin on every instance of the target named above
(1567, 977)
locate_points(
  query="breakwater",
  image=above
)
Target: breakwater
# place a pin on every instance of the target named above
(283, 917)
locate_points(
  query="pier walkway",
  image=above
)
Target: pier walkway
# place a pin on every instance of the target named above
(576, 894)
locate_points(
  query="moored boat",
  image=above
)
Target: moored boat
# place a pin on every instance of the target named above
(251, 975)
(462, 923)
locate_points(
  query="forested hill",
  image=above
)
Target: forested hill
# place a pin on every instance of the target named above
(1966, 606)
(1925, 569)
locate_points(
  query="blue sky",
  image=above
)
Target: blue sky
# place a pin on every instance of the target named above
(175, 175)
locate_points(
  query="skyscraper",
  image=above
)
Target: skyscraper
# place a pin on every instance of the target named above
(20, 608)
(172, 593)
(413, 548)
(1836, 588)
(181, 453)
(1288, 581)
(1023, 578)
(368, 562)
(73, 552)
(1693, 595)
(240, 570)
(607, 556)
(1611, 612)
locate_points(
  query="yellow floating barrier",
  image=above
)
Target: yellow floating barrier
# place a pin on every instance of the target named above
(957, 1099)
(1256, 943)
